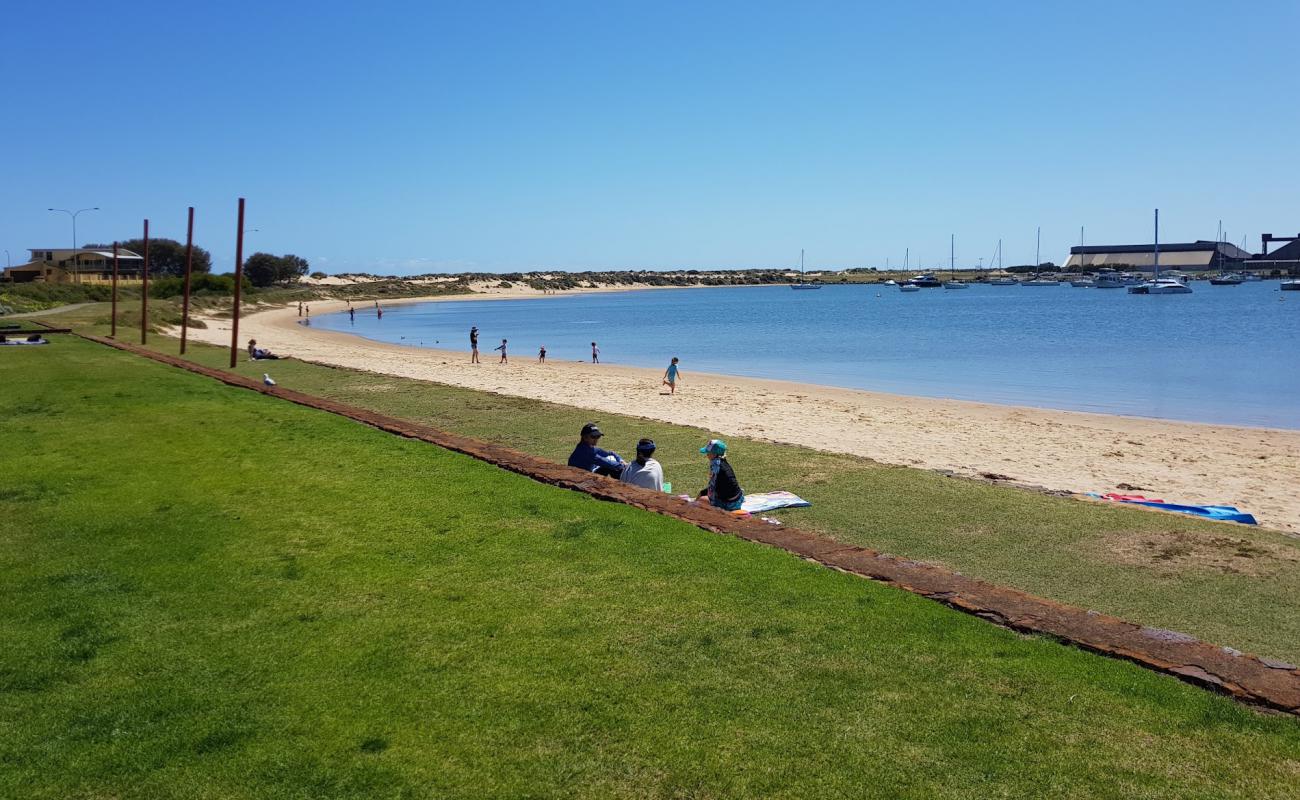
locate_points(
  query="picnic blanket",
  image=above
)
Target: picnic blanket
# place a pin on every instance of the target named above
(770, 501)
(1219, 512)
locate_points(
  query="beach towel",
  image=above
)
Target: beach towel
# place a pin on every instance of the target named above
(770, 501)
(1216, 512)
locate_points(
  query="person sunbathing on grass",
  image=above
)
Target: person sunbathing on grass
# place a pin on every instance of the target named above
(723, 490)
(256, 353)
(594, 459)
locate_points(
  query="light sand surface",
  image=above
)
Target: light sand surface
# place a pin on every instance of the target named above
(1256, 469)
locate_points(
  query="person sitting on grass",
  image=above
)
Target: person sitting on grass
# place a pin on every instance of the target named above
(645, 471)
(723, 490)
(592, 458)
(256, 353)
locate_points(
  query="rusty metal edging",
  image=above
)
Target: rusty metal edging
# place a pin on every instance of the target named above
(1247, 678)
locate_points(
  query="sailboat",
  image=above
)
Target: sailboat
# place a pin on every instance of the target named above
(952, 282)
(1224, 278)
(804, 277)
(1002, 279)
(1159, 285)
(908, 286)
(1039, 280)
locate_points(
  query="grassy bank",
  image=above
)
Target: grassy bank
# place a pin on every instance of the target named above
(209, 593)
(1231, 585)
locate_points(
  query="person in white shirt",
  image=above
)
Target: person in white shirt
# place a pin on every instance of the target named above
(645, 471)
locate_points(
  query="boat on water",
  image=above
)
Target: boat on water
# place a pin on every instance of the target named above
(952, 282)
(1109, 279)
(1038, 279)
(926, 280)
(891, 282)
(1226, 279)
(1083, 283)
(1290, 286)
(908, 287)
(804, 284)
(1250, 277)
(1001, 278)
(1003, 281)
(1159, 285)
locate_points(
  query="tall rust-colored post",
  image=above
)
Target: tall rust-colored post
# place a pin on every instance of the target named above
(189, 263)
(144, 289)
(239, 278)
(113, 315)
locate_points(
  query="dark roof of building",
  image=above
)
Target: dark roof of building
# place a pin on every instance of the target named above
(1287, 252)
(1200, 245)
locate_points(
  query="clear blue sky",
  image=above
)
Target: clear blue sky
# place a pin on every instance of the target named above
(400, 138)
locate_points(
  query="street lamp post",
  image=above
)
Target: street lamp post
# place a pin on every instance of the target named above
(74, 214)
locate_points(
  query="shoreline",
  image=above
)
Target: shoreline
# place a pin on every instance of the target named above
(1187, 462)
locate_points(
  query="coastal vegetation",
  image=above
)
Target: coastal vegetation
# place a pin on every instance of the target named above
(209, 592)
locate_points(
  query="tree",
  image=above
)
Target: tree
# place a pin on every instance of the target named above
(166, 256)
(264, 269)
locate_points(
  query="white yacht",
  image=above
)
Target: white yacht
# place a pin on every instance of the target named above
(1159, 285)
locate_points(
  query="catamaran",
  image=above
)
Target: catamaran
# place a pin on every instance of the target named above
(803, 284)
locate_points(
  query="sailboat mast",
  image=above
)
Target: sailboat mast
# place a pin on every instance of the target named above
(907, 257)
(1157, 244)
(803, 273)
(1038, 251)
(952, 245)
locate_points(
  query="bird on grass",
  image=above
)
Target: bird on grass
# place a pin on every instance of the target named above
(267, 379)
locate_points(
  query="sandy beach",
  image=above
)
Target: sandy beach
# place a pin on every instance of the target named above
(1256, 469)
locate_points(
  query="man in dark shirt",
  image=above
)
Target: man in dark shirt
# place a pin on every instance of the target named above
(592, 458)
(473, 345)
(723, 490)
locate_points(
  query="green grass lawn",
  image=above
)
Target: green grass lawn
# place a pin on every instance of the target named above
(1232, 585)
(205, 592)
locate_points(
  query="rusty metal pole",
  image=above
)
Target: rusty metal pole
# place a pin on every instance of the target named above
(144, 289)
(239, 277)
(189, 256)
(113, 314)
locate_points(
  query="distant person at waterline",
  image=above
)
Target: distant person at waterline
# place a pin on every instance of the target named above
(473, 346)
(588, 456)
(671, 375)
(644, 471)
(502, 348)
(541, 355)
(595, 353)
(723, 490)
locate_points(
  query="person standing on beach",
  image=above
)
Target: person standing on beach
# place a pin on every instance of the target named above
(595, 353)
(671, 375)
(541, 355)
(300, 308)
(352, 314)
(473, 346)
(502, 348)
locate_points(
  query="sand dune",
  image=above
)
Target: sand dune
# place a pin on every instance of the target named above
(1256, 469)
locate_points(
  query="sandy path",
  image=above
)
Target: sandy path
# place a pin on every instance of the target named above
(1257, 469)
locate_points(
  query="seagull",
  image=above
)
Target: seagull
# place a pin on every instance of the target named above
(267, 379)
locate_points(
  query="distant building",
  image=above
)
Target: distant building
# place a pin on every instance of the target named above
(82, 265)
(1286, 258)
(1198, 255)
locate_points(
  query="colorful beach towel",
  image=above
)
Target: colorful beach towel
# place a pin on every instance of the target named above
(770, 501)
(1217, 512)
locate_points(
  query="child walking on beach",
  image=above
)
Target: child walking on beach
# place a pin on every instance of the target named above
(595, 353)
(671, 375)
(502, 348)
(541, 355)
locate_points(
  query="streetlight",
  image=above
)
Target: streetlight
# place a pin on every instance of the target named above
(74, 214)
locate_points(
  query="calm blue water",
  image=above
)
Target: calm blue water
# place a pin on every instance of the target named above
(1226, 354)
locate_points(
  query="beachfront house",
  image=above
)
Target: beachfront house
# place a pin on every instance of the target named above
(80, 265)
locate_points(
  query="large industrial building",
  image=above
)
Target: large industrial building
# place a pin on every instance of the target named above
(1199, 255)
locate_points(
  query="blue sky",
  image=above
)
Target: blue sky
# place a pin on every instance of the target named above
(424, 137)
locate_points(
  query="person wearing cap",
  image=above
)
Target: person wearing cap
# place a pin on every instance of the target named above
(473, 345)
(594, 459)
(723, 490)
(645, 471)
